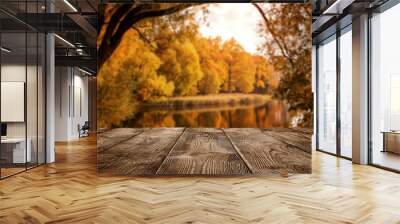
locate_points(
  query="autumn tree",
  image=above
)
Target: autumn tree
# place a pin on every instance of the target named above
(172, 38)
(181, 64)
(127, 79)
(241, 69)
(287, 32)
(212, 64)
(266, 78)
(243, 73)
(162, 54)
(116, 19)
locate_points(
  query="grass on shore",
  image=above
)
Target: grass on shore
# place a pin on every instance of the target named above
(231, 99)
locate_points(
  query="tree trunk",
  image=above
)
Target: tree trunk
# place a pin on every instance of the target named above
(123, 19)
(229, 79)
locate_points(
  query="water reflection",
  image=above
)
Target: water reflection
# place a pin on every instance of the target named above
(272, 114)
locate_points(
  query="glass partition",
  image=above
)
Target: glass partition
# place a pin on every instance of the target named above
(327, 95)
(22, 89)
(41, 96)
(385, 89)
(14, 143)
(31, 100)
(346, 93)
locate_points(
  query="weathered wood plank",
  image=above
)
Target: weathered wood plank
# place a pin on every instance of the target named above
(203, 151)
(300, 139)
(115, 136)
(141, 155)
(248, 164)
(267, 154)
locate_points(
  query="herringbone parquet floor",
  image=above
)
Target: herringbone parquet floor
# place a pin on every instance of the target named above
(70, 191)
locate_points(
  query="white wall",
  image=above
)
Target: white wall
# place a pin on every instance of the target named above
(9, 73)
(33, 127)
(12, 73)
(71, 102)
(62, 82)
(80, 109)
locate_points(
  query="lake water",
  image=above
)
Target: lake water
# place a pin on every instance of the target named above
(272, 114)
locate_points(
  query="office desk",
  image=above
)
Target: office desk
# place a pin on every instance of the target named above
(13, 150)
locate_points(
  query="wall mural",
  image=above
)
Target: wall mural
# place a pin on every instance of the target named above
(204, 89)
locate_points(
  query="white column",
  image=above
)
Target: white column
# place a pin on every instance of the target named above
(360, 90)
(50, 98)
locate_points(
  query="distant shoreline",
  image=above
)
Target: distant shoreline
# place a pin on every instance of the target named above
(208, 101)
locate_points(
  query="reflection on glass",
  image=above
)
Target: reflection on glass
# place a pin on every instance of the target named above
(15, 149)
(22, 90)
(346, 94)
(41, 99)
(327, 96)
(386, 89)
(31, 100)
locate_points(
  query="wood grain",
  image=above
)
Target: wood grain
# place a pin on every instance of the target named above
(297, 138)
(140, 155)
(115, 136)
(267, 154)
(203, 151)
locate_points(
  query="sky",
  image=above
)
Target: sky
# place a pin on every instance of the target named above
(238, 20)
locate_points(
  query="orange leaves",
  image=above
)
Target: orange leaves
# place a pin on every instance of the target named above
(167, 56)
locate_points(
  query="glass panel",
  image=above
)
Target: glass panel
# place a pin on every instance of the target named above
(327, 96)
(22, 88)
(346, 94)
(385, 84)
(31, 98)
(41, 99)
(13, 89)
(32, 88)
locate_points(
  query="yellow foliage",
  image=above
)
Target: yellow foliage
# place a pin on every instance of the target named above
(167, 57)
(125, 75)
(181, 64)
(212, 65)
(241, 68)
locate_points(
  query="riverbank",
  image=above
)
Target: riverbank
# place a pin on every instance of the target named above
(214, 100)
